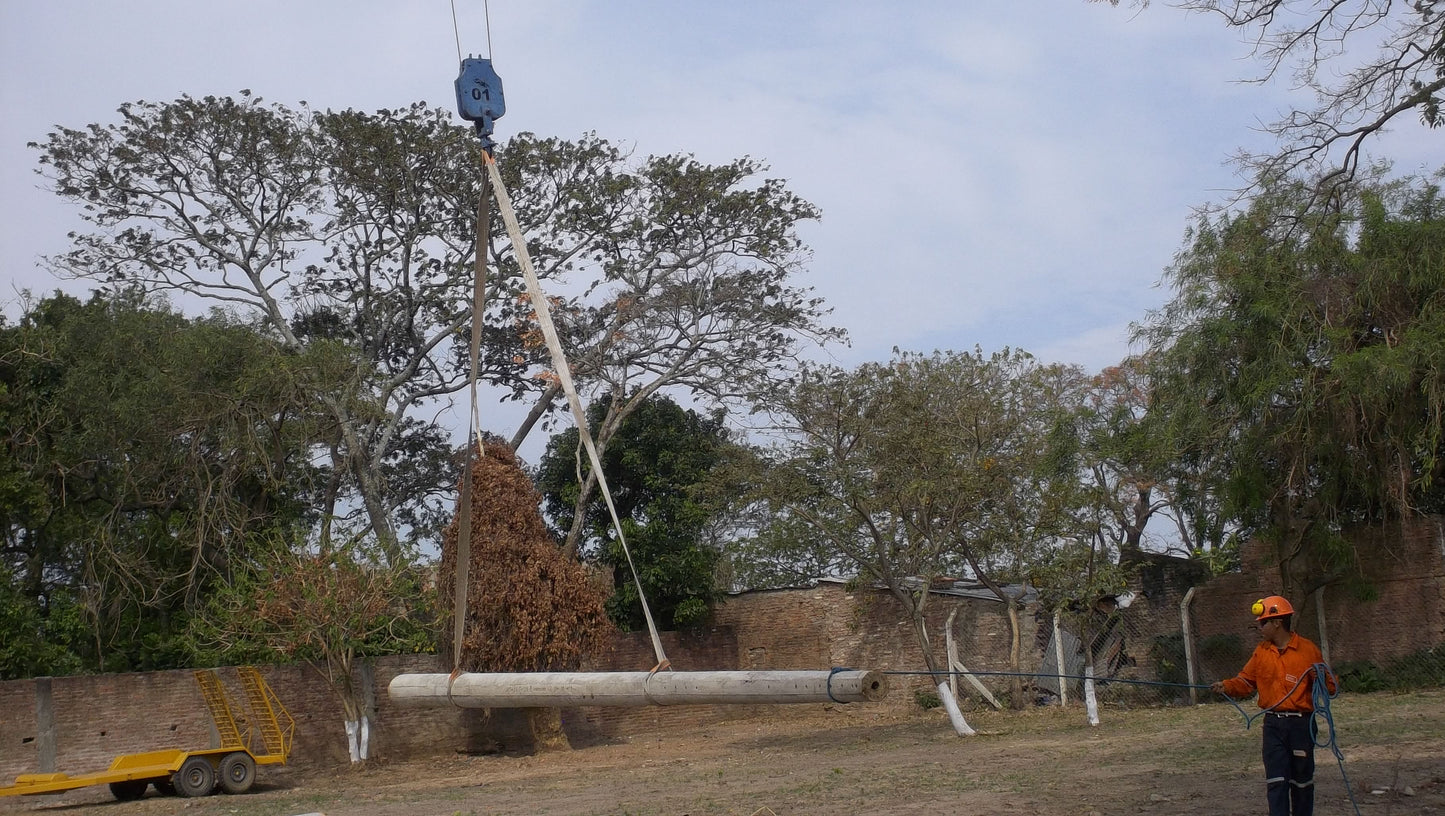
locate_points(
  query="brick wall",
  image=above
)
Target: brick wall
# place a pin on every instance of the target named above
(1405, 571)
(20, 741)
(98, 717)
(817, 628)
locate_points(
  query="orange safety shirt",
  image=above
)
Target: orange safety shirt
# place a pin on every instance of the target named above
(1282, 677)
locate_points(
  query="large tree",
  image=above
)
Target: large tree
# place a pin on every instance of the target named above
(926, 466)
(1125, 476)
(359, 228)
(693, 290)
(1301, 359)
(143, 453)
(664, 469)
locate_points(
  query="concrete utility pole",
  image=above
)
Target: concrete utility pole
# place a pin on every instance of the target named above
(568, 689)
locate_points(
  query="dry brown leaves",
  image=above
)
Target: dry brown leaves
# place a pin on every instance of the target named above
(529, 607)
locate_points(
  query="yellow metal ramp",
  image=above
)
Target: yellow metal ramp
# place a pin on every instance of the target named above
(276, 725)
(215, 696)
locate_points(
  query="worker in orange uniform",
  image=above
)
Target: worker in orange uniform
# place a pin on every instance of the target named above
(1282, 670)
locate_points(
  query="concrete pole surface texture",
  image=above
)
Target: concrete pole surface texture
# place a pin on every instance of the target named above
(568, 689)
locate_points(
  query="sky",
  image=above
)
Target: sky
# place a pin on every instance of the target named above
(989, 174)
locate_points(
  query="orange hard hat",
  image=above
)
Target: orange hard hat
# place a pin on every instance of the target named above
(1272, 607)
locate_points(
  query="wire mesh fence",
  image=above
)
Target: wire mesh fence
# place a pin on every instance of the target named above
(1142, 656)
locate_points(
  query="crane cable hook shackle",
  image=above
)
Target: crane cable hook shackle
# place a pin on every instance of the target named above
(479, 97)
(480, 101)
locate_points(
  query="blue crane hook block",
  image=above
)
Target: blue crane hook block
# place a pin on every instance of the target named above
(479, 95)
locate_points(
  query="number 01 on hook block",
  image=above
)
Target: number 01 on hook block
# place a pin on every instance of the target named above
(479, 96)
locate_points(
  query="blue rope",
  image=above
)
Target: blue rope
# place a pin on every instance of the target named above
(1320, 698)
(835, 670)
(1100, 680)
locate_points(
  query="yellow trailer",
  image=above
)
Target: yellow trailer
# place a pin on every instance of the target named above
(231, 767)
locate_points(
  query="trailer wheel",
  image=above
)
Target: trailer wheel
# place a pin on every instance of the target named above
(129, 789)
(164, 785)
(238, 771)
(196, 777)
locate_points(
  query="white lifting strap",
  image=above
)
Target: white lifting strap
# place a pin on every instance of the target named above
(564, 375)
(464, 501)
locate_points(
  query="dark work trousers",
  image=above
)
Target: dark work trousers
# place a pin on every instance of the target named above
(1289, 765)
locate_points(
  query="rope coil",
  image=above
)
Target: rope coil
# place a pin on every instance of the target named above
(836, 670)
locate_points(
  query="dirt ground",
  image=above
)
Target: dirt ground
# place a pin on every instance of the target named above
(869, 759)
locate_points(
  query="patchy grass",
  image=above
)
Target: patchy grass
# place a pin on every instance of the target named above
(860, 759)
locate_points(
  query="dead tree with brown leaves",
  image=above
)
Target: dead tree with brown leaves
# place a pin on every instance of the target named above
(528, 607)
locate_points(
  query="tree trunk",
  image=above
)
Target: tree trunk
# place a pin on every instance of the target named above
(328, 507)
(366, 469)
(579, 517)
(938, 676)
(1015, 681)
(358, 739)
(369, 483)
(539, 408)
(337, 671)
(1132, 547)
(1091, 702)
(546, 727)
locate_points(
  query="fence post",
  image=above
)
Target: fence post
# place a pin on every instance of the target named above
(45, 735)
(952, 649)
(1189, 661)
(1059, 661)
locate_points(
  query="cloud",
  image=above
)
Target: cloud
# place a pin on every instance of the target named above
(988, 173)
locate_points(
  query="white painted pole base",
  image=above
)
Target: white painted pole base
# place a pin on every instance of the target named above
(1091, 702)
(954, 715)
(567, 689)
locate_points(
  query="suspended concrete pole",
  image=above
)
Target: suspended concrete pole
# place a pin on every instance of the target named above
(568, 689)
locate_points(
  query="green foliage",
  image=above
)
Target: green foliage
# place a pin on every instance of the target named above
(929, 465)
(143, 454)
(1298, 368)
(926, 699)
(1420, 670)
(348, 238)
(1170, 663)
(38, 636)
(663, 468)
(328, 609)
(357, 230)
(782, 552)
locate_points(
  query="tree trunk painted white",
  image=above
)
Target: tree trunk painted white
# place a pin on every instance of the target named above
(1059, 661)
(351, 741)
(1190, 663)
(1324, 631)
(567, 689)
(954, 715)
(1091, 703)
(365, 747)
